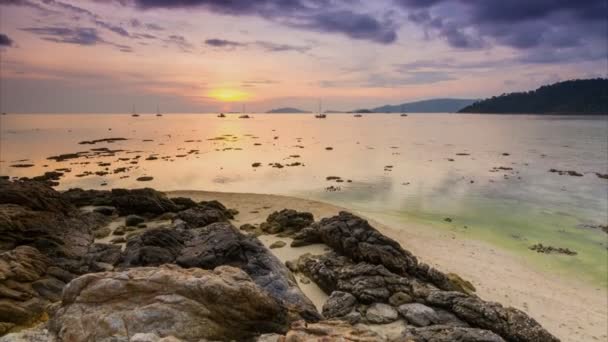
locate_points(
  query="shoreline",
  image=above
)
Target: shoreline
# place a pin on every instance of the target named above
(570, 309)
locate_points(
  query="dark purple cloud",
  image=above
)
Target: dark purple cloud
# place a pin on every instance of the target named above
(5, 40)
(222, 43)
(521, 24)
(86, 36)
(265, 45)
(317, 15)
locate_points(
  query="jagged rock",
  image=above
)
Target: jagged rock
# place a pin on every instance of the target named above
(201, 216)
(220, 244)
(442, 333)
(368, 283)
(29, 335)
(229, 213)
(510, 323)
(33, 195)
(22, 302)
(107, 211)
(287, 220)
(355, 238)
(329, 331)
(339, 304)
(133, 220)
(380, 313)
(419, 314)
(189, 304)
(141, 202)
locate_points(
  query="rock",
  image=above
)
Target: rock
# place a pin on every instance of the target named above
(439, 333)
(329, 331)
(339, 304)
(120, 230)
(29, 335)
(102, 232)
(215, 245)
(510, 323)
(183, 202)
(229, 213)
(292, 265)
(380, 313)
(277, 244)
(400, 298)
(306, 236)
(108, 211)
(201, 216)
(248, 227)
(167, 301)
(286, 220)
(550, 249)
(80, 197)
(33, 195)
(419, 314)
(144, 178)
(118, 240)
(133, 220)
(141, 202)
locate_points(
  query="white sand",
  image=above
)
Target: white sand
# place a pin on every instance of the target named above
(571, 310)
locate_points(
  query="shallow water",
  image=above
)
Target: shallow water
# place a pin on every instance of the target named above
(427, 181)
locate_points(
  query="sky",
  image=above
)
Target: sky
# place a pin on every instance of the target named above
(106, 56)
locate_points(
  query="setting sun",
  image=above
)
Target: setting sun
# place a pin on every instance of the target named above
(228, 95)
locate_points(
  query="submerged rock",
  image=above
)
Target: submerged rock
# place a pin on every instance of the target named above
(190, 304)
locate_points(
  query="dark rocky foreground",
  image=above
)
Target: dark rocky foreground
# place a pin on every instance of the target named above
(199, 278)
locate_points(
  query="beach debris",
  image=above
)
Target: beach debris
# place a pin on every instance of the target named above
(602, 175)
(540, 248)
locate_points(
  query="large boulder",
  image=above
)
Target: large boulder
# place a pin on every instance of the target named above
(34, 196)
(188, 304)
(221, 244)
(201, 216)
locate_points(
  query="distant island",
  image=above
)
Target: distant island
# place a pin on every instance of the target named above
(286, 110)
(425, 106)
(588, 96)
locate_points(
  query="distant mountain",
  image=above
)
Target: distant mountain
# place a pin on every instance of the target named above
(287, 110)
(570, 97)
(426, 106)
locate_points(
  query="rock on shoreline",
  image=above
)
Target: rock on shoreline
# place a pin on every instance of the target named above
(200, 278)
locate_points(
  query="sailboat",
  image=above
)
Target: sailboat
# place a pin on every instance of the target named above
(134, 113)
(320, 115)
(243, 115)
(402, 113)
(158, 111)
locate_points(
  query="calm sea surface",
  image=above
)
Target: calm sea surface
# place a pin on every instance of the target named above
(422, 168)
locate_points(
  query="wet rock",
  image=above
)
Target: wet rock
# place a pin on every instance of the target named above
(286, 220)
(380, 313)
(439, 333)
(166, 301)
(80, 197)
(133, 220)
(418, 314)
(33, 195)
(107, 211)
(306, 236)
(143, 178)
(566, 172)
(339, 304)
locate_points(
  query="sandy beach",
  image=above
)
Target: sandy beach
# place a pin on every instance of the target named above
(572, 310)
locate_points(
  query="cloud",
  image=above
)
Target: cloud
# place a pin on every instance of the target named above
(264, 45)
(525, 25)
(86, 36)
(180, 41)
(5, 40)
(221, 43)
(316, 15)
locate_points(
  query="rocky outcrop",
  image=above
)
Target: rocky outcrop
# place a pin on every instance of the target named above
(438, 333)
(329, 331)
(220, 244)
(188, 304)
(286, 220)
